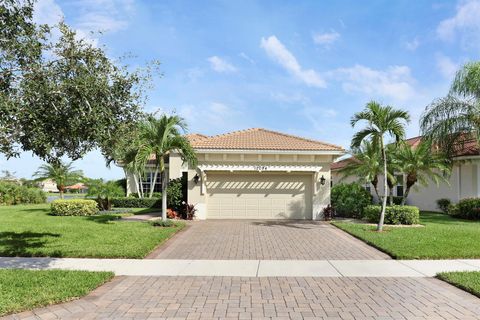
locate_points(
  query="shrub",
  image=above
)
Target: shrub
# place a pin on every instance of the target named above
(393, 214)
(12, 193)
(175, 194)
(349, 199)
(74, 207)
(161, 223)
(130, 202)
(468, 208)
(443, 204)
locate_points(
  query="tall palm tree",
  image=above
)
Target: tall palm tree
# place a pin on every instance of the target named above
(381, 121)
(421, 164)
(160, 137)
(365, 164)
(451, 120)
(60, 173)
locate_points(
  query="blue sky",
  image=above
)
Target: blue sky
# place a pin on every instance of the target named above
(301, 67)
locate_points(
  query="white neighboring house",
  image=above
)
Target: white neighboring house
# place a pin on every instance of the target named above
(464, 181)
(254, 174)
(48, 185)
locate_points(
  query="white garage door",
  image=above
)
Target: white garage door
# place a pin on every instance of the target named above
(259, 196)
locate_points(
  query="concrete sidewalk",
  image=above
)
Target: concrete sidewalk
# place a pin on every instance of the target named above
(249, 268)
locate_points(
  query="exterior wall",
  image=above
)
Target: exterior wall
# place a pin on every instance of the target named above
(464, 182)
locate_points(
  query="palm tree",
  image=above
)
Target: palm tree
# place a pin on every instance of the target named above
(421, 164)
(451, 120)
(160, 137)
(365, 164)
(381, 121)
(104, 191)
(60, 173)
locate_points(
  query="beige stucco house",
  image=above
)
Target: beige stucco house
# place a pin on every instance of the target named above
(464, 181)
(256, 174)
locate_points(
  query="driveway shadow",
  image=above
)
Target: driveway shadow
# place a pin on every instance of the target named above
(18, 244)
(297, 224)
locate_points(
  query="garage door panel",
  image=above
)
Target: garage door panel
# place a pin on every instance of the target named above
(259, 196)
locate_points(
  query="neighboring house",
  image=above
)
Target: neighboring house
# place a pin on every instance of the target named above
(464, 181)
(77, 187)
(48, 185)
(255, 174)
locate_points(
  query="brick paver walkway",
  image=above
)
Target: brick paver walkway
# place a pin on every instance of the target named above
(267, 298)
(265, 240)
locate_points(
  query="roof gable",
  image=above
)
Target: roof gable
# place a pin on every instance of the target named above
(260, 139)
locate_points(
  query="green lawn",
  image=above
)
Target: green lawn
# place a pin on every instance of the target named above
(29, 231)
(22, 290)
(443, 237)
(468, 280)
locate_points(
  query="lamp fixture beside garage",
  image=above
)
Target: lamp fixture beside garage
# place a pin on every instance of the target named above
(257, 174)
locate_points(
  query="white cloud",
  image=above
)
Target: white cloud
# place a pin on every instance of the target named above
(246, 57)
(326, 38)
(277, 51)
(213, 117)
(103, 15)
(412, 45)
(395, 82)
(220, 65)
(446, 66)
(47, 12)
(466, 19)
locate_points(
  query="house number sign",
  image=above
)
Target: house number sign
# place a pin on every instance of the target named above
(260, 168)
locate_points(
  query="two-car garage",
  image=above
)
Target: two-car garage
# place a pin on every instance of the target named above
(259, 195)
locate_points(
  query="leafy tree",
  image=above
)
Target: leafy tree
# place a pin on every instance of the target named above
(60, 95)
(452, 120)
(159, 138)
(421, 164)
(61, 173)
(104, 191)
(365, 164)
(381, 121)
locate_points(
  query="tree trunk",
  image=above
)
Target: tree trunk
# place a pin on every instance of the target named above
(374, 184)
(152, 183)
(140, 189)
(385, 186)
(61, 189)
(164, 195)
(405, 195)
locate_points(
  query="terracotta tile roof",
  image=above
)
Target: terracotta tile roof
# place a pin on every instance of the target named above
(261, 139)
(469, 147)
(193, 137)
(341, 164)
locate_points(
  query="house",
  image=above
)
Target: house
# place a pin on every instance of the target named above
(77, 187)
(255, 174)
(464, 181)
(48, 185)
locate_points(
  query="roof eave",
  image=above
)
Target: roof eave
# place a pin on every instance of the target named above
(270, 151)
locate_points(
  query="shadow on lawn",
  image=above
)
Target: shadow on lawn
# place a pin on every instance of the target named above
(104, 218)
(20, 244)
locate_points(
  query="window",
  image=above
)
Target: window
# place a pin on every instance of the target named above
(145, 183)
(399, 187)
(367, 187)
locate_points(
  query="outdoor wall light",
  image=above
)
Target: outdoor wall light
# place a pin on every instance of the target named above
(196, 178)
(322, 180)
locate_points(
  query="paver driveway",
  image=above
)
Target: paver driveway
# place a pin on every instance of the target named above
(265, 240)
(267, 298)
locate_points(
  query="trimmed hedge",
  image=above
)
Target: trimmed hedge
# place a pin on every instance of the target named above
(468, 208)
(12, 193)
(444, 204)
(393, 214)
(350, 199)
(74, 207)
(131, 202)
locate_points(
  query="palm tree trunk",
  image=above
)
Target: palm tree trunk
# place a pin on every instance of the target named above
(385, 186)
(140, 189)
(164, 195)
(152, 183)
(405, 195)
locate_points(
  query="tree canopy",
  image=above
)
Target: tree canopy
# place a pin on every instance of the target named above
(60, 95)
